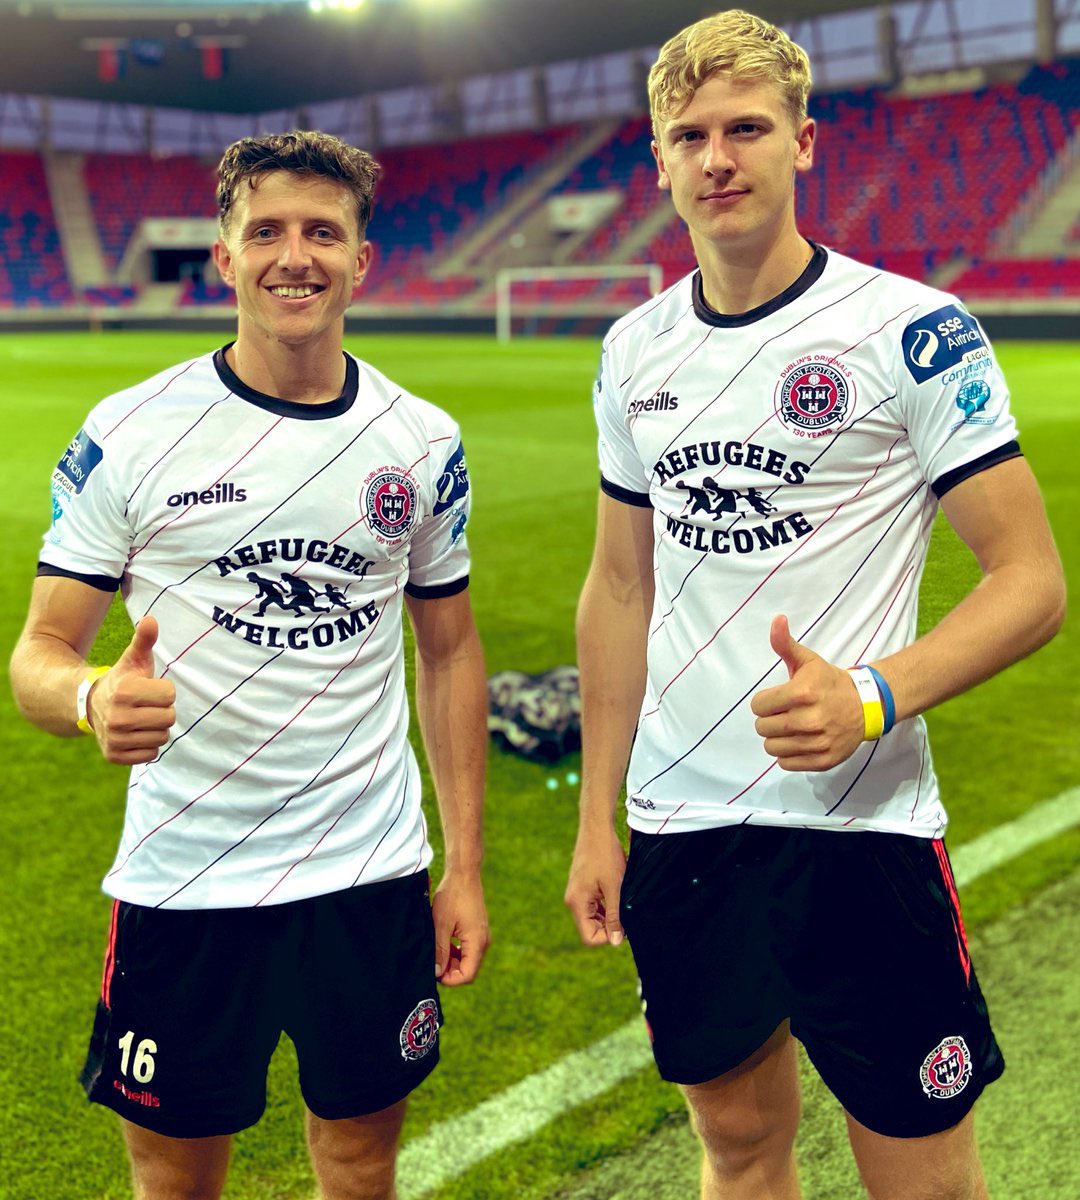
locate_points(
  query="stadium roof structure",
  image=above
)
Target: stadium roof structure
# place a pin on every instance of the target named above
(247, 56)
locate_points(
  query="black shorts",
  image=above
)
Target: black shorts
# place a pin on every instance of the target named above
(855, 937)
(194, 1001)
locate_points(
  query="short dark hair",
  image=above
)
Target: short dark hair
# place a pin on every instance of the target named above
(304, 152)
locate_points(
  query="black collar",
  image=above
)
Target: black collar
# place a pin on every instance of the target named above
(290, 408)
(807, 279)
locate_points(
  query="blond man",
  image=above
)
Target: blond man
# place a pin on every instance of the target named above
(777, 431)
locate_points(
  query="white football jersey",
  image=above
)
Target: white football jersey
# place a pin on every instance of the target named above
(273, 542)
(793, 457)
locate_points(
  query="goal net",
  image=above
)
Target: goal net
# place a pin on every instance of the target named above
(543, 300)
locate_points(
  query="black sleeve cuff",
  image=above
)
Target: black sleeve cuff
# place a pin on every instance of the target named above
(103, 583)
(438, 590)
(950, 479)
(638, 499)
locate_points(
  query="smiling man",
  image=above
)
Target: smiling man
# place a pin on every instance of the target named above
(272, 872)
(746, 642)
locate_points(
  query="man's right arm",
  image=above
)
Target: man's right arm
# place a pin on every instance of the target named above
(129, 710)
(612, 630)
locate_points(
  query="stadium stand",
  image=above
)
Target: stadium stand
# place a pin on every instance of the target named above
(115, 296)
(899, 176)
(125, 188)
(858, 198)
(625, 164)
(933, 187)
(1031, 278)
(32, 273)
(430, 196)
(198, 293)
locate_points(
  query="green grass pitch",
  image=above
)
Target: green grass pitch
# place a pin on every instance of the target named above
(526, 416)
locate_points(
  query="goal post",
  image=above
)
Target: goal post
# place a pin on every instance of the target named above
(562, 292)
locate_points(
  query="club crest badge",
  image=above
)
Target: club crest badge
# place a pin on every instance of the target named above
(814, 396)
(420, 1031)
(946, 1070)
(389, 500)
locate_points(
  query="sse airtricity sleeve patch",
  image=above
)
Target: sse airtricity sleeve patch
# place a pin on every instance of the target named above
(74, 469)
(954, 397)
(89, 536)
(453, 484)
(940, 340)
(438, 551)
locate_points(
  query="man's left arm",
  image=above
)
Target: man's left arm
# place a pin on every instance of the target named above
(815, 720)
(451, 701)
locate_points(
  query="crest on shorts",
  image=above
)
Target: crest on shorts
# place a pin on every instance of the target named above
(390, 502)
(814, 396)
(420, 1031)
(946, 1070)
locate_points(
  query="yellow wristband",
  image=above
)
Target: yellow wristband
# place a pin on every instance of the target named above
(82, 696)
(870, 699)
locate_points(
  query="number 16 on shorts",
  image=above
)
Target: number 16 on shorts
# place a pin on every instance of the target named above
(142, 1065)
(137, 1068)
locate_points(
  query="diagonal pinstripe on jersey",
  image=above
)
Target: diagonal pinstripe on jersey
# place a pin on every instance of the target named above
(386, 832)
(281, 729)
(759, 350)
(873, 748)
(187, 433)
(769, 575)
(687, 312)
(213, 625)
(704, 554)
(137, 550)
(649, 307)
(330, 828)
(267, 515)
(924, 762)
(885, 615)
(801, 637)
(161, 391)
(297, 792)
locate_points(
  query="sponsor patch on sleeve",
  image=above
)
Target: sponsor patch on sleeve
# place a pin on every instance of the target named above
(940, 340)
(452, 484)
(74, 468)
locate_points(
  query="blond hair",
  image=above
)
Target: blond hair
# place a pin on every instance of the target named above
(304, 152)
(736, 43)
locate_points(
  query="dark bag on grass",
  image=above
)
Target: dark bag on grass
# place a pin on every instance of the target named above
(536, 716)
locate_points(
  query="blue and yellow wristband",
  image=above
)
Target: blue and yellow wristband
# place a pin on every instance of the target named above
(879, 708)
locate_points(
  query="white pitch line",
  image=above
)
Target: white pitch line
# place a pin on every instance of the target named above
(451, 1147)
(1005, 842)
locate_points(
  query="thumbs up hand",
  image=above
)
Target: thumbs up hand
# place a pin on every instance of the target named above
(815, 720)
(129, 709)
